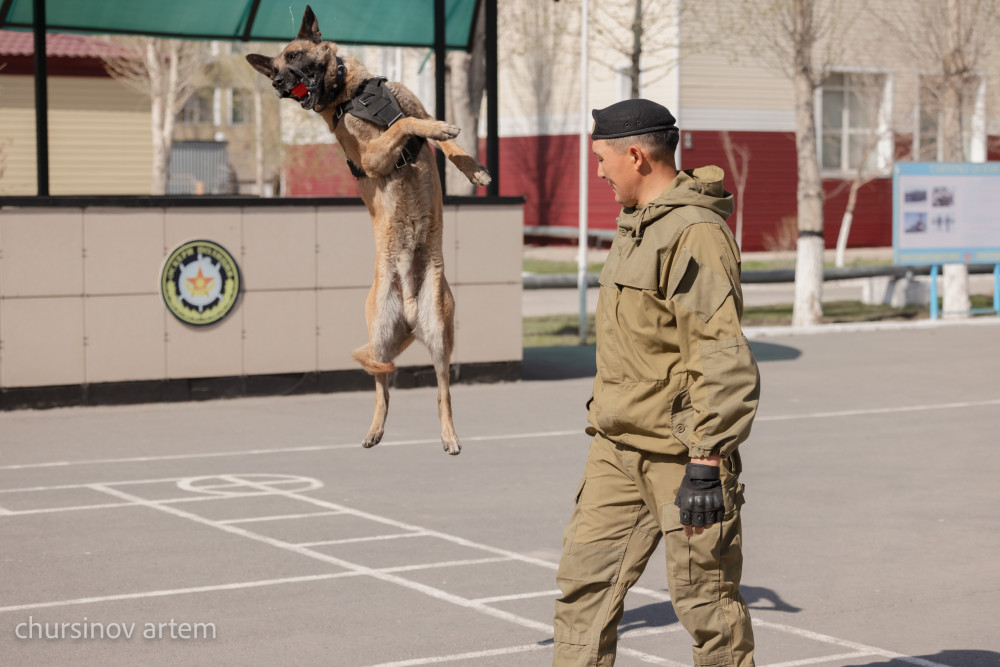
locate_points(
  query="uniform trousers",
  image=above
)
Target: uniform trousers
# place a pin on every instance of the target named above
(624, 506)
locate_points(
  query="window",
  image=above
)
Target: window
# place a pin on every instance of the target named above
(623, 80)
(853, 113)
(197, 109)
(928, 142)
(240, 100)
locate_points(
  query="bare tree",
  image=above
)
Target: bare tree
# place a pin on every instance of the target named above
(865, 97)
(466, 73)
(738, 157)
(541, 40)
(952, 42)
(167, 72)
(634, 29)
(801, 39)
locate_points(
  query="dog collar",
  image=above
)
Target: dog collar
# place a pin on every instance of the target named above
(330, 95)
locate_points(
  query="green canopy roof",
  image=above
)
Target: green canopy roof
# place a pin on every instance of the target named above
(379, 22)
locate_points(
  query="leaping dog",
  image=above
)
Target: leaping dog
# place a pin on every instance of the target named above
(384, 131)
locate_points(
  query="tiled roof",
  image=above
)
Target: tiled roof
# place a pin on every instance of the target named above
(57, 45)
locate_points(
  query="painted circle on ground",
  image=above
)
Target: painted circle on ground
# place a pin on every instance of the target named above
(248, 484)
(200, 282)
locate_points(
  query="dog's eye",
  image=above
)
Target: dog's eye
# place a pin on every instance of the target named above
(293, 56)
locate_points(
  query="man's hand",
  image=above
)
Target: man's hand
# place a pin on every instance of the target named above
(700, 496)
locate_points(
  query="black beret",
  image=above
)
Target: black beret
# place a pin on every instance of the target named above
(630, 117)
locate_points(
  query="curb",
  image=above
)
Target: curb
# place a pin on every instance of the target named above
(864, 327)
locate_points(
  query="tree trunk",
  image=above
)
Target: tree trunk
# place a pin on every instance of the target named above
(956, 276)
(258, 138)
(845, 224)
(635, 70)
(158, 110)
(467, 83)
(807, 308)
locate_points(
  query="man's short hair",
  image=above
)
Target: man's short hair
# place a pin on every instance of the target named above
(659, 146)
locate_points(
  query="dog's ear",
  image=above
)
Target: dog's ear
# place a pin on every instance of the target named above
(310, 27)
(262, 64)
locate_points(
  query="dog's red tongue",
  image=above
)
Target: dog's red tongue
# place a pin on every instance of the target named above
(300, 91)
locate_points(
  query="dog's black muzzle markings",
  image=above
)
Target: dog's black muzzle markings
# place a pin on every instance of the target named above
(306, 85)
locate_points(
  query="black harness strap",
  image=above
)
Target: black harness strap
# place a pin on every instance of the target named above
(375, 103)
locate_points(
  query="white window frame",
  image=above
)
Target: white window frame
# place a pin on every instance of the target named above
(976, 139)
(623, 81)
(885, 146)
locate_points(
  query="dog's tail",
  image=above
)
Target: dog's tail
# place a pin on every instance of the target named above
(363, 355)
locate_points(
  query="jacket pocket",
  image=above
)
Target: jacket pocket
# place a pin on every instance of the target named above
(682, 416)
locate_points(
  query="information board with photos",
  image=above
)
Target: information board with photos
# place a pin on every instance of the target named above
(946, 213)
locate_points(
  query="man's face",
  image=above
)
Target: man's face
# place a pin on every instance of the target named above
(619, 170)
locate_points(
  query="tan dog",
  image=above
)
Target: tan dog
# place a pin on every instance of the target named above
(410, 297)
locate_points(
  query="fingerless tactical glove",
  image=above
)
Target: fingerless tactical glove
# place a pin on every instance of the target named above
(700, 496)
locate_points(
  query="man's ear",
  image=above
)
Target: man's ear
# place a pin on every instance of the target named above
(310, 27)
(262, 64)
(637, 157)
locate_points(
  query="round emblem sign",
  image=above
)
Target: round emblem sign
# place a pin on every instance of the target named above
(200, 282)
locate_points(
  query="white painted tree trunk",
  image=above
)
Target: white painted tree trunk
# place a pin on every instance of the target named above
(807, 308)
(955, 278)
(955, 291)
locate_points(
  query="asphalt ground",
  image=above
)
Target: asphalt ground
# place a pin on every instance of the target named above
(259, 532)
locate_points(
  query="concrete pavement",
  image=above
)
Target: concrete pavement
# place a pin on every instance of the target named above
(258, 531)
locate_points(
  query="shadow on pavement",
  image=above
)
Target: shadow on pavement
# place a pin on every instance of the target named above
(564, 362)
(773, 352)
(952, 658)
(558, 362)
(661, 614)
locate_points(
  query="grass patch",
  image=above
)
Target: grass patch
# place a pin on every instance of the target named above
(545, 266)
(551, 330)
(789, 263)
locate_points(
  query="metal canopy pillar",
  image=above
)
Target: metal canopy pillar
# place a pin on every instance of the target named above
(440, 53)
(41, 101)
(492, 101)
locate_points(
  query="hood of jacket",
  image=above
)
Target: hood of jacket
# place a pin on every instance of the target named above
(692, 187)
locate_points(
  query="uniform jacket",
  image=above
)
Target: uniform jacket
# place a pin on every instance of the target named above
(675, 375)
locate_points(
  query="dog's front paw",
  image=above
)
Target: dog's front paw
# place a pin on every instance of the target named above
(475, 172)
(442, 131)
(480, 177)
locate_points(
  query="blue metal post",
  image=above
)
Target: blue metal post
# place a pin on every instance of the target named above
(996, 289)
(934, 292)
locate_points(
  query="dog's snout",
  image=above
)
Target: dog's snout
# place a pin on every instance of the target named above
(278, 80)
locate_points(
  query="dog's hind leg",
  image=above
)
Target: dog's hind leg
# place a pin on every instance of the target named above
(437, 332)
(388, 337)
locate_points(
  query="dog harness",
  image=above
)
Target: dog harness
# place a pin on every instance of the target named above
(375, 103)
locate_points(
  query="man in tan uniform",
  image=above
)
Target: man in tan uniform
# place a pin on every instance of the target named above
(675, 394)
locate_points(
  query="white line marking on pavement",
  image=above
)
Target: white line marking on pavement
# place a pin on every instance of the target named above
(651, 659)
(283, 450)
(104, 506)
(179, 591)
(280, 517)
(519, 596)
(827, 639)
(354, 567)
(466, 656)
(656, 595)
(447, 563)
(352, 540)
(821, 659)
(879, 411)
